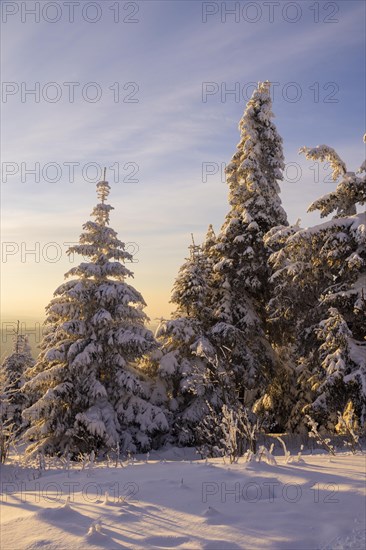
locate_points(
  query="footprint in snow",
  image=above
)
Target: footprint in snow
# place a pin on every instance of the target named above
(165, 541)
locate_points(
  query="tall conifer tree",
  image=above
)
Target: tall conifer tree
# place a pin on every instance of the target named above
(93, 396)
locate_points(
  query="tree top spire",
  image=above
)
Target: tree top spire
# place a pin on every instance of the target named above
(103, 188)
(194, 249)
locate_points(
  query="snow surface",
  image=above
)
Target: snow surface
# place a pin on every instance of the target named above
(317, 503)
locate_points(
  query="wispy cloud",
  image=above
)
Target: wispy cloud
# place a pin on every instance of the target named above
(170, 131)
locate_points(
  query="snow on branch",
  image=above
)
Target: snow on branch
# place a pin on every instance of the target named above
(326, 153)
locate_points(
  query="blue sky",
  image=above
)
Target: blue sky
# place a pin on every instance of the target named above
(169, 132)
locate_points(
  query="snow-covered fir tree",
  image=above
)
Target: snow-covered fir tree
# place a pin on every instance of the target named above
(241, 256)
(344, 368)
(12, 375)
(216, 350)
(93, 395)
(190, 290)
(319, 298)
(185, 363)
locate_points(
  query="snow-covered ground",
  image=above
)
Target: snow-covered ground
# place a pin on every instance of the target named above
(187, 504)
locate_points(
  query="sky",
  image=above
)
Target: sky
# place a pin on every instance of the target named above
(143, 88)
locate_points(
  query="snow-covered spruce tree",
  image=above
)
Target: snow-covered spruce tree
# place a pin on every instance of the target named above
(185, 364)
(93, 396)
(190, 290)
(12, 374)
(343, 361)
(319, 298)
(241, 255)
